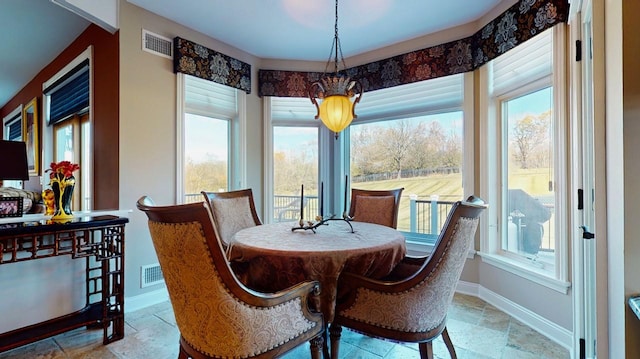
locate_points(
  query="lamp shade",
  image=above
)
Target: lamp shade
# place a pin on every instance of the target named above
(13, 163)
(336, 112)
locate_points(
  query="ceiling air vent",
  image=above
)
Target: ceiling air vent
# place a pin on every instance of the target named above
(156, 44)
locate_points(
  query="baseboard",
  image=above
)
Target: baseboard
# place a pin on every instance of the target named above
(468, 288)
(141, 301)
(540, 324)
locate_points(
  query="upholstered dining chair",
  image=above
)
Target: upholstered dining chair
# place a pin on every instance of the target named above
(375, 206)
(232, 211)
(216, 315)
(410, 305)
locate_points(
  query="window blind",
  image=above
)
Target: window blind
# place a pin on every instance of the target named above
(528, 62)
(70, 94)
(292, 108)
(14, 128)
(204, 97)
(415, 98)
(393, 102)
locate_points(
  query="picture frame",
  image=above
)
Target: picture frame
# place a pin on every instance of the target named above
(11, 207)
(30, 135)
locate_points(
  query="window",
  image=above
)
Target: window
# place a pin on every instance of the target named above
(67, 116)
(209, 138)
(424, 119)
(71, 143)
(404, 136)
(528, 175)
(13, 125)
(411, 136)
(12, 131)
(295, 156)
(525, 146)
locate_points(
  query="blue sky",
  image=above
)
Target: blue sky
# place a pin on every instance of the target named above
(534, 103)
(207, 138)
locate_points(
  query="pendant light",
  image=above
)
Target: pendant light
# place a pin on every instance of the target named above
(335, 91)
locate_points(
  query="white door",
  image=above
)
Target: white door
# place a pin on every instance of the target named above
(584, 249)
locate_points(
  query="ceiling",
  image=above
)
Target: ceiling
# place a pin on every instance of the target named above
(33, 32)
(37, 30)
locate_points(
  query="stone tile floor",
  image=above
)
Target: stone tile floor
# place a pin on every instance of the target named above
(477, 329)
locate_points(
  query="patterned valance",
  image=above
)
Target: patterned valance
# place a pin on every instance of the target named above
(197, 60)
(518, 24)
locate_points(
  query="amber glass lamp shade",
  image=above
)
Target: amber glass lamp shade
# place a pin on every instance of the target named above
(336, 112)
(334, 93)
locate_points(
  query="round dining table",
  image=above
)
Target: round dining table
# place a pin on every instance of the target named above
(274, 257)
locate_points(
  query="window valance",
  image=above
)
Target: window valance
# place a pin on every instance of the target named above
(519, 23)
(197, 60)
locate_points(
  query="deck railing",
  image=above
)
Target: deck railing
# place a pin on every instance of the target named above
(287, 208)
(425, 216)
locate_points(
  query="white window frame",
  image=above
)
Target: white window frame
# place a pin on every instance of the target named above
(324, 136)
(237, 172)
(491, 172)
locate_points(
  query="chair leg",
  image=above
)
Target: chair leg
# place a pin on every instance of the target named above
(182, 354)
(316, 344)
(335, 334)
(449, 344)
(325, 346)
(426, 350)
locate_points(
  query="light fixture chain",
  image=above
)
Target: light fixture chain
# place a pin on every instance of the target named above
(337, 41)
(336, 110)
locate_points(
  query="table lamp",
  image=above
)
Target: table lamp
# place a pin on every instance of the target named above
(14, 160)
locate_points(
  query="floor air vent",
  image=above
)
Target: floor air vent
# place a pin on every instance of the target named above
(151, 275)
(156, 44)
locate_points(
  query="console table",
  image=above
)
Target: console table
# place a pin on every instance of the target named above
(99, 240)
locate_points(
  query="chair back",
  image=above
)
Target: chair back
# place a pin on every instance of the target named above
(376, 206)
(440, 273)
(423, 293)
(216, 315)
(232, 211)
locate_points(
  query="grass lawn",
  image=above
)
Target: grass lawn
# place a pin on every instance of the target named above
(448, 187)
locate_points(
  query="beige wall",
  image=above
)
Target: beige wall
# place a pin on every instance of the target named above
(550, 304)
(148, 128)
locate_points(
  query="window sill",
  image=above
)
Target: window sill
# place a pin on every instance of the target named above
(533, 274)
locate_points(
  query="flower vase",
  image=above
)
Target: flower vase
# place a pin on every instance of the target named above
(63, 191)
